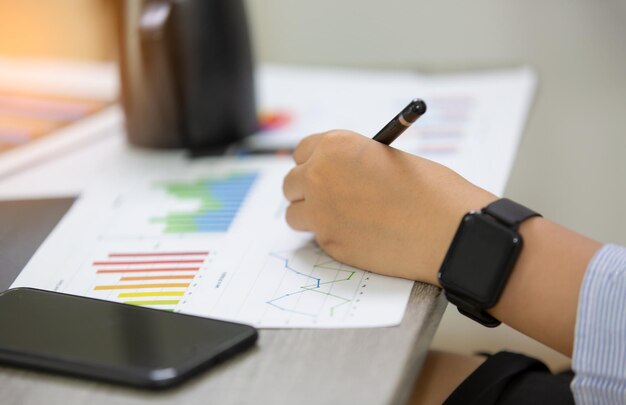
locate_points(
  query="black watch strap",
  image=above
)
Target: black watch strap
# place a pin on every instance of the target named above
(509, 212)
(466, 308)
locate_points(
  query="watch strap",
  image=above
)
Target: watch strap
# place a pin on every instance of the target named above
(479, 315)
(509, 212)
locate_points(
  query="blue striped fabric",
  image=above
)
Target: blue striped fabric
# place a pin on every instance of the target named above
(599, 358)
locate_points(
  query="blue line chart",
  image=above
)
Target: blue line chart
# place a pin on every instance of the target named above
(324, 275)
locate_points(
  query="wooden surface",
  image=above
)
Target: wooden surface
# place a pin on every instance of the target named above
(301, 366)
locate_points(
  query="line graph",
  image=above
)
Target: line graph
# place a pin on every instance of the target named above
(314, 285)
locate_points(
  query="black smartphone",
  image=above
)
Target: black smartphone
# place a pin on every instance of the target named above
(112, 341)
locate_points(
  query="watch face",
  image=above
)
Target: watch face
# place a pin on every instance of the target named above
(480, 259)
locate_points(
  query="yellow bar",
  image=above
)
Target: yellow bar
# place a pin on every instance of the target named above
(152, 294)
(154, 302)
(133, 286)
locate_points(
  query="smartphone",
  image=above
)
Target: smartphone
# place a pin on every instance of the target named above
(112, 341)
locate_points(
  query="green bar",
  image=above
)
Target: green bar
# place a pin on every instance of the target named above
(181, 228)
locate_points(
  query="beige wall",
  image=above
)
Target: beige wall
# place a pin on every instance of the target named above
(79, 29)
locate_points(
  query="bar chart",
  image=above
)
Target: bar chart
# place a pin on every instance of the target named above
(199, 206)
(219, 201)
(153, 279)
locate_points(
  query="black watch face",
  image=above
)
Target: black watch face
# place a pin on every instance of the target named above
(480, 259)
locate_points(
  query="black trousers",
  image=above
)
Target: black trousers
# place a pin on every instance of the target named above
(511, 378)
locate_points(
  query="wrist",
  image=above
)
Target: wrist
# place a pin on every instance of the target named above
(472, 199)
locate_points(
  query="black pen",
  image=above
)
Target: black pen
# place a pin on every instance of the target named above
(401, 122)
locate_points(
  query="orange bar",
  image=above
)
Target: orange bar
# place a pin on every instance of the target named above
(133, 286)
(157, 278)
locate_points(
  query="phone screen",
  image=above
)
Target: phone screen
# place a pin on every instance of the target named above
(117, 342)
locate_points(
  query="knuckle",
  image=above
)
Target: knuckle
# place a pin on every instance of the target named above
(309, 176)
(331, 139)
(284, 188)
(302, 143)
(287, 180)
(291, 217)
(331, 247)
(339, 141)
(325, 233)
(289, 214)
(325, 241)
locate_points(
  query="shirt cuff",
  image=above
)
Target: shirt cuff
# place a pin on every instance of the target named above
(599, 358)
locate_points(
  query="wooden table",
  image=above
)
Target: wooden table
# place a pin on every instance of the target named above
(290, 366)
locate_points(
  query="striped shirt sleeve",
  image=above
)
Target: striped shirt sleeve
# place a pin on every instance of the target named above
(599, 358)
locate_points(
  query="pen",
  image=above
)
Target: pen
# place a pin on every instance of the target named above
(401, 122)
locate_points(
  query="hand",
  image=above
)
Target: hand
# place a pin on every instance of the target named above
(375, 207)
(383, 210)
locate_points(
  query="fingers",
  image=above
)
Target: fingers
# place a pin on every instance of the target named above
(305, 148)
(293, 184)
(297, 216)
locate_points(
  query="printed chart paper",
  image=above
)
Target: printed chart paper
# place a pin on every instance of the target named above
(473, 122)
(208, 239)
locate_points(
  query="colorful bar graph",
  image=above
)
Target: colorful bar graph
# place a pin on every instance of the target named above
(220, 200)
(156, 279)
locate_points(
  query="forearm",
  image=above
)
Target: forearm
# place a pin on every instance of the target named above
(541, 296)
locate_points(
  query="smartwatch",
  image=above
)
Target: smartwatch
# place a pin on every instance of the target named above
(481, 257)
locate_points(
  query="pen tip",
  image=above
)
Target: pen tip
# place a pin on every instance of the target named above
(419, 106)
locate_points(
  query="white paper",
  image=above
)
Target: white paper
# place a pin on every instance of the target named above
(473, 122)
(128, 240)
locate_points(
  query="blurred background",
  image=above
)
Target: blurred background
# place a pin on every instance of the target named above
(571, 164)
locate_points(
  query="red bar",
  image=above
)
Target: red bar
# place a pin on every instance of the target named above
(158, 254)
(149, 270)
(148, 262)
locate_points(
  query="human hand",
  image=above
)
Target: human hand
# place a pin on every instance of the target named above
(375, 207)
